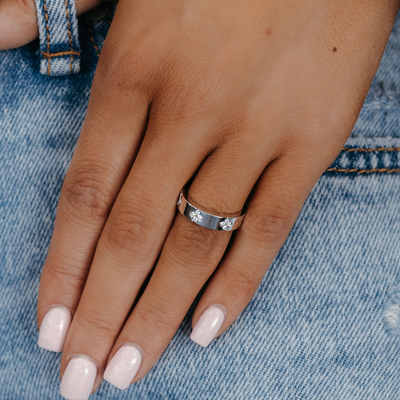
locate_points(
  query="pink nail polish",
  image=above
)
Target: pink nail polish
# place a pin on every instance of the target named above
(78, 380)
(208, 325)
(123, 367)
(54, 329)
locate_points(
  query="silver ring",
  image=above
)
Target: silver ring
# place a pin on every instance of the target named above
(207, 220)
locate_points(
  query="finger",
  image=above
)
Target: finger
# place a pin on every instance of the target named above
(18, 21)
(130, 243)
(273, 208)
(189, 256)
(110, 138)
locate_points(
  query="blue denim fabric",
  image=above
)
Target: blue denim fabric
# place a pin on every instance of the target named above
(325, 321)
(58, 35)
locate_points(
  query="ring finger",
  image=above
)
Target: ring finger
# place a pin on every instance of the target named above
(189, 256)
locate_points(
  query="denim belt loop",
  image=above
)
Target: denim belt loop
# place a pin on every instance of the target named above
(58, 34)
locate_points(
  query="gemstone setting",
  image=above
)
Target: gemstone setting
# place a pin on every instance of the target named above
(195, 216)
(179, 199)
(226, 224)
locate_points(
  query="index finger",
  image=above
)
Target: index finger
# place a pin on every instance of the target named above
(101, 161)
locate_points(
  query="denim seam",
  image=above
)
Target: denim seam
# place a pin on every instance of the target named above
(364, 171)
(58, 37)
(371, 150)
(48, 36)
(92, 39)
(367, 160)
(61, 54)
(69, 34)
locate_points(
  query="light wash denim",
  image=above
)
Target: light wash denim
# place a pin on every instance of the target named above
(324, 323)
(58, 34)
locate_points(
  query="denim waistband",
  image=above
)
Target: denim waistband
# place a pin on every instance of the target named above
(58, 35)
(364, 155)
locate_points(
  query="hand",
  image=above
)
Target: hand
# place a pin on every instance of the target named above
(246, 102)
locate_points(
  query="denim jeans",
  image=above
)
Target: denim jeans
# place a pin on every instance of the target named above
(325, 321)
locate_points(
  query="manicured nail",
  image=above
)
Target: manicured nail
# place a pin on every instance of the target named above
(78, 380)
(208, 326)
(123, 367)
(54, 328)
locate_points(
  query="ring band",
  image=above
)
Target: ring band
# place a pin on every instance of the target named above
(207, 220)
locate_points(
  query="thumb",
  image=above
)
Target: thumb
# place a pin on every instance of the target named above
(18, 21)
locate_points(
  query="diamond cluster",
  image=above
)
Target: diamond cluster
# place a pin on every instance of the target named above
(226, 224)
(196, 216)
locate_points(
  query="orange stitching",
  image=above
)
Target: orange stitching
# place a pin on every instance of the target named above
(363, 171)
(110, 15)
(69, 36)
(48, 35)
(61, 53)
(371, 150)
(366, 171)
(92, 39)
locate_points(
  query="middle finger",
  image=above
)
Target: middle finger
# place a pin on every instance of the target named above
(126, 251)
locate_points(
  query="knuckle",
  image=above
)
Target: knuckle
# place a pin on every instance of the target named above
(267, 225)
(98, 323)
(241, 283)
(65, 281)
(65, 275)
(195, 245)
(87, 195)
(127, 71)
(130, 230)
(188, 98)
(156, 319)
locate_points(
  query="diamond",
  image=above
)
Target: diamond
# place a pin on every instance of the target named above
(179, 199)
(226, 224)
(196, 216)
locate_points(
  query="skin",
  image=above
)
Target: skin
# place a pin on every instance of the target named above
(245, 102)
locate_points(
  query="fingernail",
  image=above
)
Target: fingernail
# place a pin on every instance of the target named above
(123, 367)
(54, 328)
(208, 326)
(78, 380)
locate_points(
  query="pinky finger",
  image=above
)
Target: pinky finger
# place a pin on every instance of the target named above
(272, 211)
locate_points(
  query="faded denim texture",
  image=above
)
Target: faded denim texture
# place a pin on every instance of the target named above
(324, 323)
